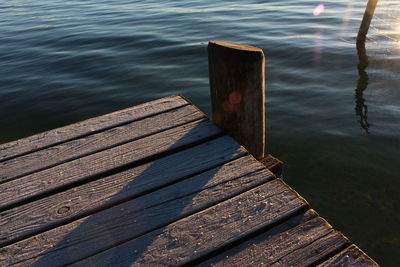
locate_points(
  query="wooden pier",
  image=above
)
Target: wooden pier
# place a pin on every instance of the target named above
(157, 184)
(154, 185)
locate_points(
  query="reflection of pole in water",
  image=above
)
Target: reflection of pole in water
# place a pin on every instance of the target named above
(361, 107)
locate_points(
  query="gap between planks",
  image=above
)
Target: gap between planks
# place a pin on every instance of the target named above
(352, 256)
(82, 170)
(302, 240)
(140, 215)
(87, 127)
(18, 223)
(97, 142)
(201, 233)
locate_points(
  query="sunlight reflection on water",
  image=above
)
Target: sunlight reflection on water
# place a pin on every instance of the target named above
(64, 61)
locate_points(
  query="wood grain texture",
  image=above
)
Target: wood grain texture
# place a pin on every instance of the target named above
(46, 213)
(87, 145)
(315, 252)
(254, 250)
(237, 83)
(128, 220)
(155, 185)
(49, 138)
(273, 164)
(299, 246)
(27, 187)
(352, 256)
(196, 236)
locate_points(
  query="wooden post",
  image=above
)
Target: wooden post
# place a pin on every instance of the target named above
(237, 82)
(369, 13)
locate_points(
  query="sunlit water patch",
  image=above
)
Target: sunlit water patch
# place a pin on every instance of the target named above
(335, 122)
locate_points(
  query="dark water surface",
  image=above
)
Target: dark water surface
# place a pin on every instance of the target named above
(333, 121)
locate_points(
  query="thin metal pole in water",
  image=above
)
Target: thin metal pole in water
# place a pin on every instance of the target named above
(368, 14)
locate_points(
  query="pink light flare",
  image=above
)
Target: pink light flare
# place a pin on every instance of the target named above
(318, 10)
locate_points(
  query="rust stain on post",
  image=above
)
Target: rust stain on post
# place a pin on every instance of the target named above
(237, 83)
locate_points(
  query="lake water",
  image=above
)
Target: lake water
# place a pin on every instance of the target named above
(333, 121)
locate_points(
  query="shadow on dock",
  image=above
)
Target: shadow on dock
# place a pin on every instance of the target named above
(137, 216)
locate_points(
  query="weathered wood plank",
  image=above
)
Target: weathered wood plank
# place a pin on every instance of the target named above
(237, 83)
(118, 224)
(273, 164)
(299, 246)
(84, 146)
(26, 188)
(49, 138)
(352, 256)
(197, 235)
(315, 252)
(263, 248)
(46, 213)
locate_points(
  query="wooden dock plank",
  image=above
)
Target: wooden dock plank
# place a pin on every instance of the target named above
(155, 185)
(193, 237)
(28, 187)
(46, 213)
(352, 256)
(273, 164)
(299, 246)
(317, 251)
(52, 137)
(256, 244)
(128, 220)
(90, 144)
